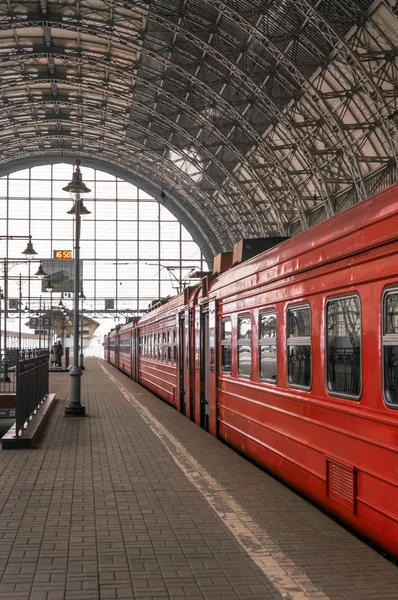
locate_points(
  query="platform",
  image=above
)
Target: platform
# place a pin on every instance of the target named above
(136, 502)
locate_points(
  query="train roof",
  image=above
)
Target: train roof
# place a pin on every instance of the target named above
(370, 223)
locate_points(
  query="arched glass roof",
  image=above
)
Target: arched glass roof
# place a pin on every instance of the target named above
(253, 116)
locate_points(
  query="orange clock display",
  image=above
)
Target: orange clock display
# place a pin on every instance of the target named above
(64, 254)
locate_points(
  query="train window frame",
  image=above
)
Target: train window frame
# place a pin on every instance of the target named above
(243, 342)
(263, 342)
(226, 342)
(330, 392)
(388, 290)
(300, 306)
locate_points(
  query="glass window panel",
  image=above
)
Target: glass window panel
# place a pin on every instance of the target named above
(40, 189)
(299, 365)
(390, 348)
(244, 328)
(40, 209)
(18, 188)
(148, 211)
(18, 227)
(267, 327)
(3, 187)
(390, 374)
(105, 249)
(127, 230)
(58, 192)
(87, 248)
(226, 330)
(299, 346)
(167, 289)
(185, 235)
(391, 314)
(343, 318)
(148, 289)
(40, 229)
(22, 174)
(268, 362)
(267, 332)
(63, 229)
(144, 195)
(103, 176)
(148, 230)
(226, 358)
(105, 210)
(169, 231)
(18, 209)
(299, 322)
(126, 190)
(149, 250)
(106, 230)
(105, 189)
(127, 250)
(170, 250)
(127, 211)
(61, 171)
(245, 360)
(60, 209)
(190, 251)
(88, 230)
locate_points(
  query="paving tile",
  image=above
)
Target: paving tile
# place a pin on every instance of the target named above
(100, 510)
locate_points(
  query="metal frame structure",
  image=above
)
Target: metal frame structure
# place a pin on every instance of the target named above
(251, 116)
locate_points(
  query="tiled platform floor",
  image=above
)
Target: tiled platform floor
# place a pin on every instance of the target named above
(137, 502)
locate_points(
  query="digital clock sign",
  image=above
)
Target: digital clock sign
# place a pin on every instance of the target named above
(63, 254)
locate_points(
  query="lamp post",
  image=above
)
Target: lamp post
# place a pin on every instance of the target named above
(29, 253)
(83, 297)
(50, 289)
(76, 189)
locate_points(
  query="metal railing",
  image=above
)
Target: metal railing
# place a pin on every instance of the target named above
(31, 385)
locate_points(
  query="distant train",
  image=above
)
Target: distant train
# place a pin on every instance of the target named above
(291, 357)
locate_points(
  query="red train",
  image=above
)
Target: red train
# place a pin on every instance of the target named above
(291, 357)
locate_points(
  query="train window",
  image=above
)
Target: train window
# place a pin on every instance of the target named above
(267, 343)
(169, 352)
(390, 347)
(226, 345)
(343, 346)
(299, 346)
(245, 346)
(175, 345)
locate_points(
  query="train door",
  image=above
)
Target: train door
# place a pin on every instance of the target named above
(117, 353)
(211, 379)
(205, 370)
(133, 355)
(190, 413)
(182, 361)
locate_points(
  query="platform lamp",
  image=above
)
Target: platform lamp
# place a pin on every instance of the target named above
(76, 189)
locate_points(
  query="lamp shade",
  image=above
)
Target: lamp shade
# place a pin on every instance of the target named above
(40, 272)
(83, 211)
(29, 251)
(76, 188)
(49, 286)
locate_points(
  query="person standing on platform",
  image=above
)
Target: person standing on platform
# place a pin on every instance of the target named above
(53, 355)
(59, 352)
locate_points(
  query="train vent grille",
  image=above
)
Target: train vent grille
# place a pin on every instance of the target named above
(341, 481)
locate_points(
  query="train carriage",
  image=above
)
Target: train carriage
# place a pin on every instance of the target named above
(292, 358)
